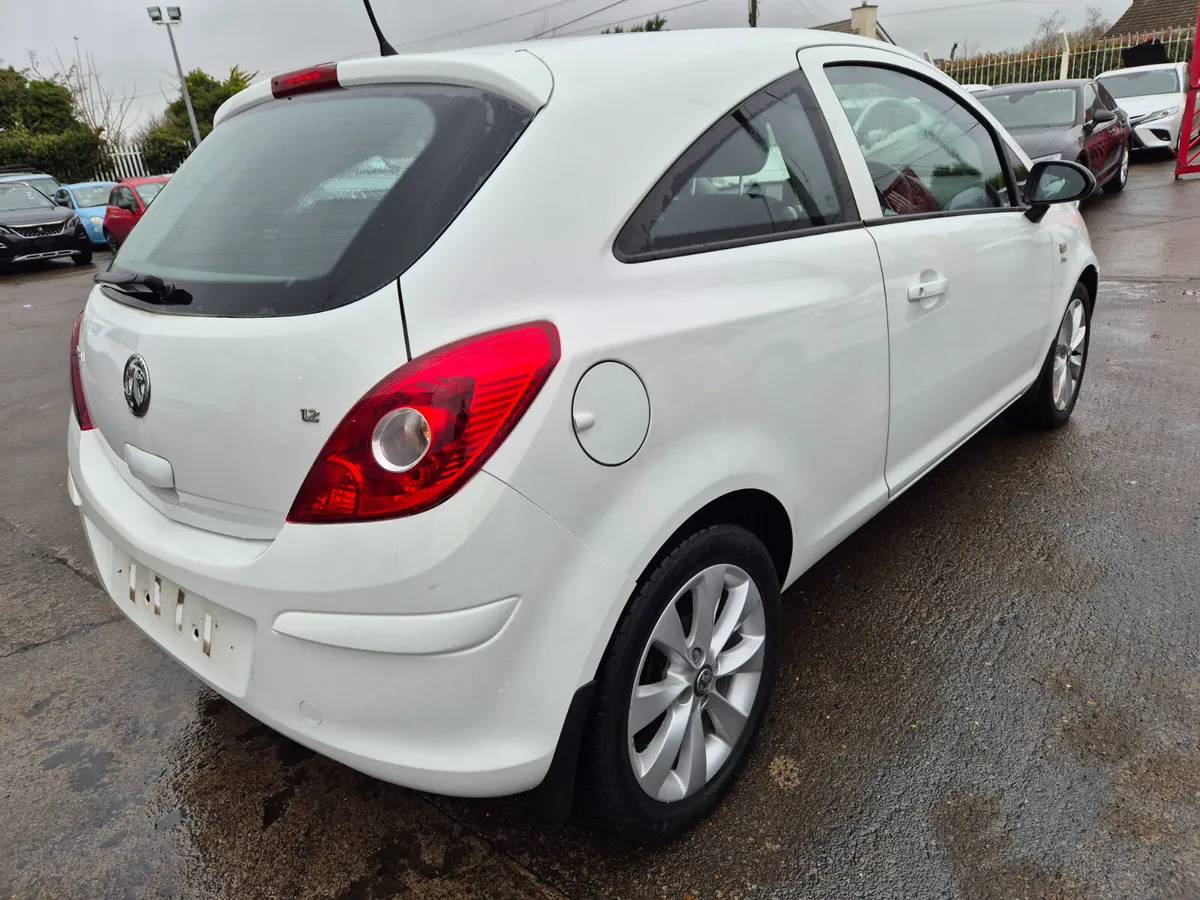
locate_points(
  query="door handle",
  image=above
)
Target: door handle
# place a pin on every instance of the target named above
(923, 290)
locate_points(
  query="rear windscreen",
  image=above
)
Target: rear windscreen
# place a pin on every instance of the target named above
(312, 202)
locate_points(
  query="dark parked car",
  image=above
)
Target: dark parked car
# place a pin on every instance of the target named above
(47, 184)
(1073, 120)
(32, 227)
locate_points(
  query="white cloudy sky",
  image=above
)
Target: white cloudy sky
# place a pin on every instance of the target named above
(270, 36)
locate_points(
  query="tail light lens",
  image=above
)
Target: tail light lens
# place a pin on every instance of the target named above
(81, 411)
(422, 432)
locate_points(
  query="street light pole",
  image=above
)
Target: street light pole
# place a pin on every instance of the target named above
(174, 17)
(753, 13)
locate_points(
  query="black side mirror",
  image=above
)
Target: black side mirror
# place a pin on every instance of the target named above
(1055, 181)
(62, 201)
(1104, 114)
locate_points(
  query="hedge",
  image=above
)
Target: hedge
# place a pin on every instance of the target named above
(72, 156)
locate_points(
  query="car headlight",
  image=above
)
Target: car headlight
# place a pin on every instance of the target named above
(72, 222)
(1158, 114)
(1051, 157)
(97, 220)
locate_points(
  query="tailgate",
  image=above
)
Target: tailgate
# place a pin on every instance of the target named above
(226, 399)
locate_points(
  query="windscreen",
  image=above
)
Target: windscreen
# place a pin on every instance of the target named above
(22, 196)
(92, 195)
(45, 184)
(1051, 108)
(1142, 84)
(312, 202)
(149, 190)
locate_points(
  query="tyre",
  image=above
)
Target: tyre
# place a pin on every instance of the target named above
(113, 244)
(1117, 183)
(684, 687)
(84, 258)
(1051, 399)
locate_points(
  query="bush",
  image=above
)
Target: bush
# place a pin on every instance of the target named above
(163, 150)
(71, 156)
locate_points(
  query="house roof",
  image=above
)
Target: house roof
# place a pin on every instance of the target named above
(1154, 15)
(843, 27)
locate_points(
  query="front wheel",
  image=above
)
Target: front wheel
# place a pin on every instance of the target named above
(1051, 399)
(684, 688)
(1117, 183)
(113, 244)
(84, 258)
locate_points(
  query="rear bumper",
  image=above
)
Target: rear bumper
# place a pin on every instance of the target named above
(439, 652)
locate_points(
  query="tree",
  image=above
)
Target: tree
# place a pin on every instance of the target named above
(39, 127)
(1049, 31)
(48, 108)
(14, 88)
(657, 23)
(95, 106)
(168, 139)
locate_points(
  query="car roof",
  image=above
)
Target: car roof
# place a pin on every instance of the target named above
(21, 176)
(146, 179)
(83, 184)
(599, 68)
(1160, 67)
(1063, 84)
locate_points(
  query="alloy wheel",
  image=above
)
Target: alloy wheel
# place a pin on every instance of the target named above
(1069, 348)
(1124, 176)
(696, 684)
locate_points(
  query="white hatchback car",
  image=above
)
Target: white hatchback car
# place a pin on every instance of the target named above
(1154, 97)
(461, 416)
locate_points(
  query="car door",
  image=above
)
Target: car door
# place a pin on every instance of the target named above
(118, 218)
(751, 244)
(139, 206)
(1119, 129)
(1100, 138)
(968, 277)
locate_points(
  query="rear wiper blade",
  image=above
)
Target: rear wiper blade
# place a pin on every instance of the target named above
(150, 288)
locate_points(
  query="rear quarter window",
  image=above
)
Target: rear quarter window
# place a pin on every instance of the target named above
(312, 202)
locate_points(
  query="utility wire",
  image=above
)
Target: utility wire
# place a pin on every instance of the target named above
(437, 37)
(933, 9)
(577, 19)
(640, 18)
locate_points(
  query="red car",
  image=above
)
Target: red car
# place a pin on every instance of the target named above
(126, 203)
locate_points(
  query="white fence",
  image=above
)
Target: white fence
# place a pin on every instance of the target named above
(1064, 61)
(125, 161)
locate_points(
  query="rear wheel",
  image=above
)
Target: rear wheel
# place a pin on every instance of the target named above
(1117, 183)
(113, 244)
(684, 688)
(1051, 399)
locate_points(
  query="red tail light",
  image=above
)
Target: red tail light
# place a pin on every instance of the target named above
(81, 411)
(314, 78)
(470, 394)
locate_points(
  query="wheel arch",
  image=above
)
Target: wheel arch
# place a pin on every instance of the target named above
(1090, 279)
(756, 510)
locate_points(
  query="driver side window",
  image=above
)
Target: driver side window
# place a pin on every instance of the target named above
(926, 151)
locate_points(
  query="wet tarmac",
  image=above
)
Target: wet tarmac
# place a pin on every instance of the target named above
(990, 691)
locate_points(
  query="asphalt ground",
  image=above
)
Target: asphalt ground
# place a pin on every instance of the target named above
(990, 691)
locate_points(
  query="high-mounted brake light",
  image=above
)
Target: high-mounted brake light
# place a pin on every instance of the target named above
(421, 433)
(301, 81)
(81, 411)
